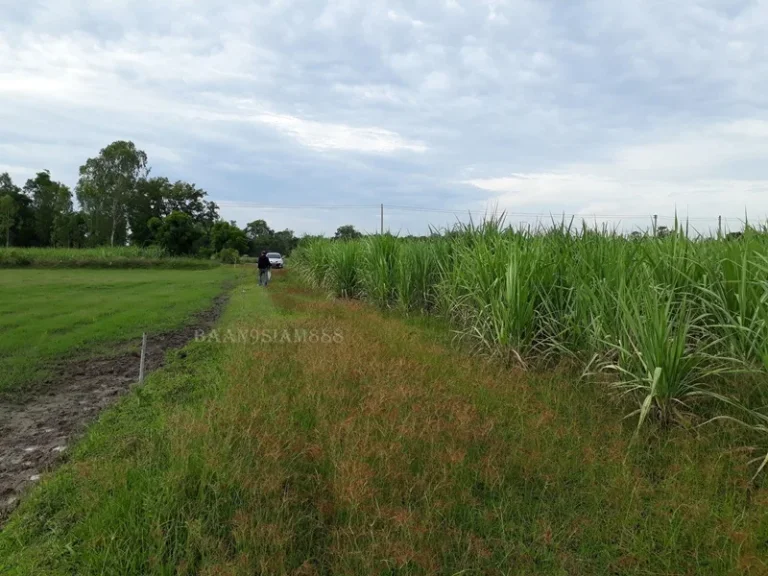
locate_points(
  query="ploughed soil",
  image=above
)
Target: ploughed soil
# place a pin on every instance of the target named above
(35, 433)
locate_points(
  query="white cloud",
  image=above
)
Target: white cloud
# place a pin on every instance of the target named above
(699, 173)
(436, 82)
(370, 92)
(329, 136)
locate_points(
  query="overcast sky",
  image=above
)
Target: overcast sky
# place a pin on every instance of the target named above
(607, 107)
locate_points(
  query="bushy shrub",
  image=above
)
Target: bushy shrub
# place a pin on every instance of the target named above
(229, 256)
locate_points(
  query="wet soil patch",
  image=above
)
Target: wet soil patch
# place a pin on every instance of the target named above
(35, 433)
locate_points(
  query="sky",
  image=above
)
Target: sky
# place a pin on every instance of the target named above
(311, 114)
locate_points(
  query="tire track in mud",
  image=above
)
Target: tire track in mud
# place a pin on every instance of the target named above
(35, 433)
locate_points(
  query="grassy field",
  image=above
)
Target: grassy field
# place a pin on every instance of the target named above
(104, 257)
(47, 315)
(375, 447)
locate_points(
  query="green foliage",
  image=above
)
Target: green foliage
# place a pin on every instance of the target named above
(228, 235)
(107, 183)
(176, 233)
(22, 232)
(159, 198)
(70, 230)
(50, 200)
(229, 256)
(671, 316)
(262, 238)
(380, 254)
(120, 204)
(347, 232)
(8, 211)
(104, 257)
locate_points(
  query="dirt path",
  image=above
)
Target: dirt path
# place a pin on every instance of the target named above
(35, 434)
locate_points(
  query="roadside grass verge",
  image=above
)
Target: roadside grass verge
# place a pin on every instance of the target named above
(387, 452)
(47, 316)
(104, 257)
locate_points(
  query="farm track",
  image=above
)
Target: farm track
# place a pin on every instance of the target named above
(35, 433)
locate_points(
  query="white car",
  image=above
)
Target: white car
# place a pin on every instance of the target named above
(275, 259)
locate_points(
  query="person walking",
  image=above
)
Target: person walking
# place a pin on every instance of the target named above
(264, 267)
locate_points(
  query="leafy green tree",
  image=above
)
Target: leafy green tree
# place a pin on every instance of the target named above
(49, 199)
(147, 203)
(177, 233)
(8, 211)
(70, 230)
(22, 231)
(347, 232)
(228, 235)
(259, 236)
(258, 229)
(284, 242)
(189, 199)
(107, 184)
(158, 198)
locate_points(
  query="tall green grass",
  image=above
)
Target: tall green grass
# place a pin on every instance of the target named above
(671, 318)
(104, 257)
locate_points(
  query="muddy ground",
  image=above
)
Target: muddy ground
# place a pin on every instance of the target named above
(34, 435)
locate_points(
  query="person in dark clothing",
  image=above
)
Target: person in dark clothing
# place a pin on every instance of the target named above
(264, 267)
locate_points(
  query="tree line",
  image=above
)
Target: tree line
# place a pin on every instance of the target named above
(119, 203)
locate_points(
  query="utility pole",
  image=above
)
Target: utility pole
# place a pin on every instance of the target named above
(655, 223)
(719, 226)
(382, 219)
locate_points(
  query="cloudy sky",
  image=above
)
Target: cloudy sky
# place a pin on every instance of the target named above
(619, 109)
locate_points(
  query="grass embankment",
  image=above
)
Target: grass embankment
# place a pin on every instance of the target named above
(116, 257)
(47, 315)
(385, 453)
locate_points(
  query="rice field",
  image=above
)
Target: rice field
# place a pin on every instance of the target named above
(47, 316)
(676, 325)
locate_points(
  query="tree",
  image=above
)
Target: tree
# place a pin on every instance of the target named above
(347, 232)
(8, 211)
(147, 203)
(49, 199)
(258, 229)
(70, 229)
(259, 236)
(189, 199)
(22, 231)
(284, 242)
(176, 233)
(228, 235)
(107, 184)
(158, 198)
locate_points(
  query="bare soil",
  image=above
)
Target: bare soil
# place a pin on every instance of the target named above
(35, 434)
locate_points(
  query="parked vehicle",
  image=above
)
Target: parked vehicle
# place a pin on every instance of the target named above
(275, 259)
